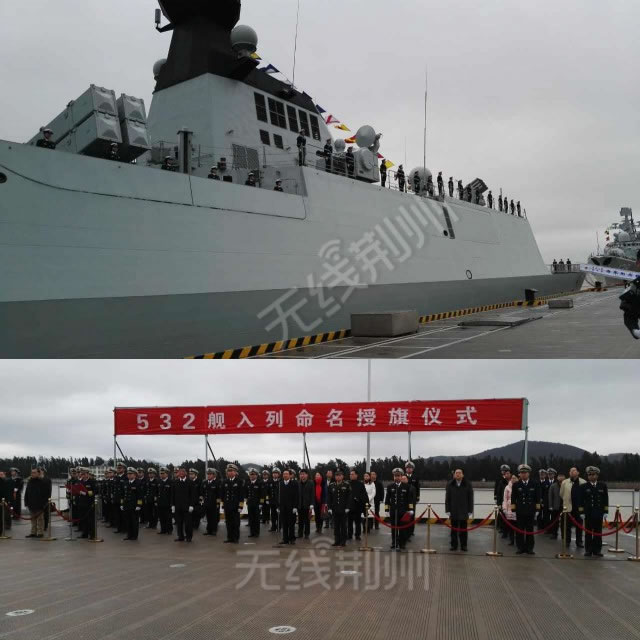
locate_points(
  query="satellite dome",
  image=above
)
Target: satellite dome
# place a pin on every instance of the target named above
(339, 145)
(623, 236)
(244, 40)
(365, 136)
(157, 67)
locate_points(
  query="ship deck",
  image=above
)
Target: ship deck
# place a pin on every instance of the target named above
(157, 589)
(591, 329)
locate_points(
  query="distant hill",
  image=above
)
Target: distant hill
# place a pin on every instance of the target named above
(537, 449)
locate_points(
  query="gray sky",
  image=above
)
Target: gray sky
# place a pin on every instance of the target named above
(66, 407)
(540, 98)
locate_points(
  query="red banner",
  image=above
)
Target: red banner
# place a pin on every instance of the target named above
(418, 415)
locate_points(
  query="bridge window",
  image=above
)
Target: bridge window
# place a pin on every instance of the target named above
(304, 121)
(277, 140)
(293, 119)
(315, 128)
(261, 107)
(264, 137)
(276, 112)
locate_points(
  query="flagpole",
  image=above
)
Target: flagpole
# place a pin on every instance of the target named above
(424, 148)
(295, 47)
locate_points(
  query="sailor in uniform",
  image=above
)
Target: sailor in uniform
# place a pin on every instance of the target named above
(210, 501)
(131, 503)
(338, 498)
(460, 190)
(301, 143)
(399, 501)
(416, 183)
(254, 497)
(251, 180)
(150, 493)
(595, 501)
(450, 184)
(273, 496)
(383, 172)
(409, 469)
(500, 202)
(518, 208)
(232, 497)
(264, 516)
(16, 493)
(278, 186)
(440, 182)
(328, 154)
(490, 200)
(213, 174)
(525, 501)
(400, 178)
(46, 142)
(350, 161)
(513, 208)
(163, 502)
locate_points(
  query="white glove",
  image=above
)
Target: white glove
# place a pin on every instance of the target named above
(83, 493)
(330, 511)
(137, 508)
(173, 509)
(295, 511)
(410, 513)
(346, 510)
(190, 509)
(470, 514)
(121, 508)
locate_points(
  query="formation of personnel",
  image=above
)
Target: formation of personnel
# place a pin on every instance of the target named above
(528, 502)
(561, 265)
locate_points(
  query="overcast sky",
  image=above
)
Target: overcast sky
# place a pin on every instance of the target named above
(65, 408)
(539, 98)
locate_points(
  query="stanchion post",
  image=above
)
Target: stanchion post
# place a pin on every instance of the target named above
(563, 555)
(95, 522)
(636, 558)
(366, 546)
(49, 538)
(428, 548)
(3, 507)
(495, 553)
(617, 519)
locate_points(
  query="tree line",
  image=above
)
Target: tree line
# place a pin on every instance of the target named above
(624, 469)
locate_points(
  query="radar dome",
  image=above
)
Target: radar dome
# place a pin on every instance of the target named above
(365, 136)
(157, 67)
(244, 40)
(339, 145)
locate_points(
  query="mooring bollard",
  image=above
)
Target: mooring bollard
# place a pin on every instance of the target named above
(636, 558)
(3, 507)
(428, 548)
(95, 523)
(617, 518)
(49, 538)
(495, 553)
(563, 555)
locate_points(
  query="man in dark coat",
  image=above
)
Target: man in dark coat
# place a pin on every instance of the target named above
(498, 494)
(87, 505)
(184, 496)
(265, 511)
(543, 481)
(210, 501)
(35, 499)
(131, 503)
(273, 494)
(289, 501)
(305, 504)
(232, 497)
(383, 172)
(357, 505)
(525, 501)
(459, 507)
(595, 502)
(450, 185)
(398, 503)
(254, 497)
(400, 177)
(379, 497)
(150, 493)
(16, 493)
(409, 469)
(338, 497)
(164, 491)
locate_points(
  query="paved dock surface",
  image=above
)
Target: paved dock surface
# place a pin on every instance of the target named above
(155, 588)
(591, 329)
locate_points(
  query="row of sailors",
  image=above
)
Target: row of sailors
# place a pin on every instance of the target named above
(527, 502)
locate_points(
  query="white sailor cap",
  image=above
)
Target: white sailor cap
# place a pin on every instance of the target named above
(523, 467)
(212, 470)
(151, 470)
(164, 470)
(253, 472)
(505, 467)
(192, 470)
(409, 465)
(593, 470)
(132, 470)
(232, 467)
(397, 471)
(275, 470)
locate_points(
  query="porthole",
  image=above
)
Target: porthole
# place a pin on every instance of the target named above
(3, 178)
(469, 275)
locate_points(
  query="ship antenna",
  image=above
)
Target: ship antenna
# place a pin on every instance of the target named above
(295, 47)
(424, 146)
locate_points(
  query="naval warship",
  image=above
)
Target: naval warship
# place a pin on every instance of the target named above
(105, 254)
(621, 249)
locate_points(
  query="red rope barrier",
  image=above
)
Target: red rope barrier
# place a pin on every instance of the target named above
(459, 530)
(601, 535)
(530, 533)
(401, 526)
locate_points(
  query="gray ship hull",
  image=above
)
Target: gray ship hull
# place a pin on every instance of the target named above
(177, 326)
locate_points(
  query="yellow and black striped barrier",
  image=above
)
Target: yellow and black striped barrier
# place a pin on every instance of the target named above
(329, 336)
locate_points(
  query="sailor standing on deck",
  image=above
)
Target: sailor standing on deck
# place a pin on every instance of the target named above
(525, 501)
(400, 178)
(350, 161)
(16, 493)
(595, 500)
(513, 208)
(450, 183)
(150, 493)
(500, 202)
(274, 499)
(383, 172)
(301, 143)
(416, 183)
(440, 182)
(46, 142)
(264, 516)
(184, 496)
(328, 154)
(232, 497)
(278, 186)
(131, 504)
(163, 502)
(213, 174)
(490, 200)
(251, 180)
(544, 496)
(196, 513)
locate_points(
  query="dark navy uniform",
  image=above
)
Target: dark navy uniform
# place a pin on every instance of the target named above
(87, 503)
(350, 161)
(338, 499)
(415, 483)
(163, 505)
(150, 506)
(232, 502)
(595, 502)
(210, 494)
(450, 184)
(328, 154)
(383, 173)
(46, 144)
(416, 183)
(289, 500)
(265, 498)
(118, 489)
(131, 502)
(525, 501)
(273, 497)
(253, 494)
(399, 500)
(400, 177)
(440, 183)
(184, 496)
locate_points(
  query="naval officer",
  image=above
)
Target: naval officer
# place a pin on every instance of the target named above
(595, 502)
(440, 182)
(450, 184)
(232, 498)
(46, 142)
(525, 501)
(383, 172)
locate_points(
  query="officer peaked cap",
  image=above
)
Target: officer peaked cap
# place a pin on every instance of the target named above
(553, 471)
(505, 467)
(542, 471)
(524, 467)
(121, 464)
(397, 471)
(275, 470)
(211, 470)
(14, 469)
(265, 472)
(232, 467)
(193, 471)
(593, 470)
(164, 470)
(410, 464)
(252, 472)
(131, 470)
(151, 470)
(339, 472)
